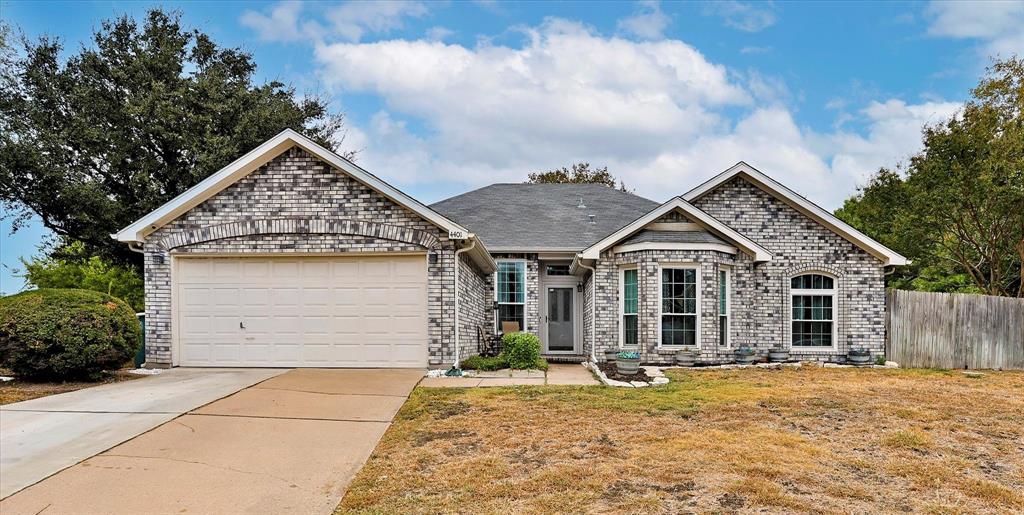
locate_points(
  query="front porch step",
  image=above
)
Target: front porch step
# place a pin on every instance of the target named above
(564, 358)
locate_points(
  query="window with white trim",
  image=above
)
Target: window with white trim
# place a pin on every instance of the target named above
(630, 306)
(679, 306)
(723, 308)
(510, 292)
(813, 311)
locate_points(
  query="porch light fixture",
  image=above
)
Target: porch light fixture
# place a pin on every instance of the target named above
(579, 287)
(432, 258)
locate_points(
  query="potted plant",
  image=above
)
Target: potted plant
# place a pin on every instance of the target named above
(778, 355)
(685, 357)
(609, 354)
(627, 363)
(859, 357)
(745, 356)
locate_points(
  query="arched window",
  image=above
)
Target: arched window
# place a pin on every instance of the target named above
(814, 308)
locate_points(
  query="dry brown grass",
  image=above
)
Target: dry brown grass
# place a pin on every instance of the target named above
(765, 441)
(17, 390)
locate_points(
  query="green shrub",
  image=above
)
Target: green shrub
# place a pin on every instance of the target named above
(66, 334)
(481, 363)
(521, 349)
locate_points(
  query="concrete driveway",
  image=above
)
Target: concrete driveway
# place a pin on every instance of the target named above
(40, 437)
(289, 444)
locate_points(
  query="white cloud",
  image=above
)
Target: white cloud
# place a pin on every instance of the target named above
(494, 113)
(281, 24)
(350, 21)
(353, 20)
(997, 24)
(648, 22)
(439, 33)
(748, 17)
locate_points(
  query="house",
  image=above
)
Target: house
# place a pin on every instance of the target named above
(293, 256)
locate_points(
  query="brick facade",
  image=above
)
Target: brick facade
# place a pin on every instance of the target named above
(299, 204)
(760, 296)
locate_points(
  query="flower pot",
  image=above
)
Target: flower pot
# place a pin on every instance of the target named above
(627, 366)
(745, 356)
(859, 357)
(778, 355)
(609, 355)
(686, 358)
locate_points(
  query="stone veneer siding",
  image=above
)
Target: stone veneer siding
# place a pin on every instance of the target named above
(760, 299)
(297, 204)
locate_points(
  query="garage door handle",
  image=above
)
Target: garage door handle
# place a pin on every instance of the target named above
(241, 325)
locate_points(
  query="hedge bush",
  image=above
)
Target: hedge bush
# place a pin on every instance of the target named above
(481, 363)
(522, 350)
(66, 334)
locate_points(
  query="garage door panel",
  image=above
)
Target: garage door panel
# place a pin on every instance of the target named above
(326, 312)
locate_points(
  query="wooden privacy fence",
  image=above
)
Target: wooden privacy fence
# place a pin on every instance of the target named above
(954, 330)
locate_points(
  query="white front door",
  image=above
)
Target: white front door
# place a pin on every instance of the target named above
(347, 311)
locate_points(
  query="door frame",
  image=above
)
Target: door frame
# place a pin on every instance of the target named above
(559, 281)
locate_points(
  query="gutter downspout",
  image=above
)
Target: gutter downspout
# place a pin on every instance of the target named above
(472, 243)
(593, 309)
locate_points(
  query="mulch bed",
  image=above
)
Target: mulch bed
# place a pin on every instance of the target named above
(610, 371)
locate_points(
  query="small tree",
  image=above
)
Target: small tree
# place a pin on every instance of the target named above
(579, 173)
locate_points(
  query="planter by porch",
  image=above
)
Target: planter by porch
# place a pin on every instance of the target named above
(627, 363)
(778, 355)
(686, 358)
(859, 357)
(745, 356)
(609, 355)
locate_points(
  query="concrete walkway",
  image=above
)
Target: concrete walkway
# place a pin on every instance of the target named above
(290, 444)
(557, 374)
(40, 437)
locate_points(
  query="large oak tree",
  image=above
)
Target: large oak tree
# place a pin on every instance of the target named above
(958, 210)
(93, 141)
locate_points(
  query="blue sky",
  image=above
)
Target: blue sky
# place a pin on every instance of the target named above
(445, 97)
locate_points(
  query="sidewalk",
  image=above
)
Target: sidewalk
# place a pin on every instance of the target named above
(557, 374)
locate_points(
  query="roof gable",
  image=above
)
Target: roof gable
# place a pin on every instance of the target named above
(801, 204)
(251, 161)
(690, 212)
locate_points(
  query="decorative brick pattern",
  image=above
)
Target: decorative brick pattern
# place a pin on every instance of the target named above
(760, 296)
(298, 204)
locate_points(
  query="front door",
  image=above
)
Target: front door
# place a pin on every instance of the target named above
(560, 320)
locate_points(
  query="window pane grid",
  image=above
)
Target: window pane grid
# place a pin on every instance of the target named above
(812, 314)
(678, 306)
(511, 292)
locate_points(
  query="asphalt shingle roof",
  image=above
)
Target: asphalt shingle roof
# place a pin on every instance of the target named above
(645, 236)
(543, 216)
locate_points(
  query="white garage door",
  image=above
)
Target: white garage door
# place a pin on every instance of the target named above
(301, 312)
